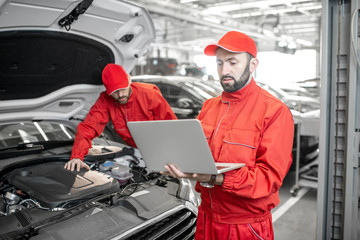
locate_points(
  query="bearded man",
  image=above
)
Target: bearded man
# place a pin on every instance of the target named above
(122, 101)
(246, 124)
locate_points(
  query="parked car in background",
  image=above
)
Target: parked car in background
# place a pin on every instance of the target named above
(51, 60)
(305, 113)
(185, 95)
(299, 103)
(309, 133)
(296, 90)
(312, 85)
(156, 66)
(192, 70)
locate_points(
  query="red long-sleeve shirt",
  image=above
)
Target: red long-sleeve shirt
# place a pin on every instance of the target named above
(248, 126)
(145, 103)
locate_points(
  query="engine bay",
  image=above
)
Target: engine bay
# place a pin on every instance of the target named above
(38, 194)
(49, 186)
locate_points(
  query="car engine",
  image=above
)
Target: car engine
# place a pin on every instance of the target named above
(38, 197)
(50, 186)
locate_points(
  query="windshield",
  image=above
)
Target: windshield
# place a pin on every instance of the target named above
(201, 91)
(26, 132)
(282, 95)
(209, 88)
(299, 92)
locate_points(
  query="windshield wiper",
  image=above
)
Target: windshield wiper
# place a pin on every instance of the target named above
(55, 144)
(22, 146)
(31, 148)
(41, 144)
(20, 149)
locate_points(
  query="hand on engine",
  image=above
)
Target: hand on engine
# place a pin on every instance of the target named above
(76, 163)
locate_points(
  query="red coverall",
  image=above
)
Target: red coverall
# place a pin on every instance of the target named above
(248, 126)
(145, 103)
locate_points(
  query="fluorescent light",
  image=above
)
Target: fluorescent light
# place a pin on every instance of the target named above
(188, 1)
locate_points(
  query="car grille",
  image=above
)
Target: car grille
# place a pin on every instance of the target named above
(22, 219)
(179, 225)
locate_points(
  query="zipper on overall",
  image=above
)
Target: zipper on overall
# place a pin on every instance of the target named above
(212, 141)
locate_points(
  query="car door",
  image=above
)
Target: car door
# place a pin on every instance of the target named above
(179, 100)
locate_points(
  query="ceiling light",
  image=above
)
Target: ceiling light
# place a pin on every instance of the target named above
(313, 7)
(212, 19)
(188, 1)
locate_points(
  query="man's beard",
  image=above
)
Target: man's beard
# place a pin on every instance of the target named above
(238, 84)
(124, 100)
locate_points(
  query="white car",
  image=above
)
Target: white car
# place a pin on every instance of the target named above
(52, 53)
(300, 103)
(306, 112)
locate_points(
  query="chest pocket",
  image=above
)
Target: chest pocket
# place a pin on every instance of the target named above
(240, 146)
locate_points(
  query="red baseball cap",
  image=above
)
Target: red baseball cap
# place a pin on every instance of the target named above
(233, 41)
(114, 78)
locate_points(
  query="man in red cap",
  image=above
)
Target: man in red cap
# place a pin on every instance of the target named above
(248, 125)
(122, 101)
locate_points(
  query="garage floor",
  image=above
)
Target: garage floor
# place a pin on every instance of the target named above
(295, 217)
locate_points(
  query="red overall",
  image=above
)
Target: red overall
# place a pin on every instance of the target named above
(248, 126)
(145, 103)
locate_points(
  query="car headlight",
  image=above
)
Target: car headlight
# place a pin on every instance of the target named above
(184, 190)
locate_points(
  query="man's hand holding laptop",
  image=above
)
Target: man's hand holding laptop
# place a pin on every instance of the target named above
(210, 179)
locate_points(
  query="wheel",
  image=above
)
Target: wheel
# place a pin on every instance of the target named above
(294, 190)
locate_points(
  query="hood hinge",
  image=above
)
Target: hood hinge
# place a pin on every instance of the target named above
(74, 14)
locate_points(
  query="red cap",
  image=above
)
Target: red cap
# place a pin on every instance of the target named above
(233, 42)
(114, 78)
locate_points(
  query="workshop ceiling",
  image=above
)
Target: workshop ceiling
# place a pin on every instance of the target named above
(274, 24)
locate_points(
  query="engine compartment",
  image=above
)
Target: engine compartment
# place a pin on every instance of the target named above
(50, 186)
(38, 197)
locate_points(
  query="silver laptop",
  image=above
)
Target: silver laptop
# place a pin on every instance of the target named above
(180, 142)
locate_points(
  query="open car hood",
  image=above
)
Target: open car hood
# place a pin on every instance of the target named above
(52, 53)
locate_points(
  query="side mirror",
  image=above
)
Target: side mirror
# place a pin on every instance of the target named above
(184, 103)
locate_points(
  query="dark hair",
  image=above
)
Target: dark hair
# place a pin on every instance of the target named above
(249, 56)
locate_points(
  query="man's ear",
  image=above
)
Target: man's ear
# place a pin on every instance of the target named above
(254, 62)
